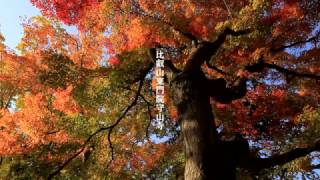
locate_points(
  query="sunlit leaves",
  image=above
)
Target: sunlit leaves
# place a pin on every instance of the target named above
(25, 130)
(66, 84)
(68, 11)
(64, 102)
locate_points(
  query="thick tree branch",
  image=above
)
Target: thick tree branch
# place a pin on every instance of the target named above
(261, 65)
(206, 50)
(215, 68)
(257, 164)
(168, 64)
(281, 48)
(170, 71)
(293, 73)
(315, 166)
(224, 93)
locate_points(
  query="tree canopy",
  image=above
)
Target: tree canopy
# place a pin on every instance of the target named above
(82, 105)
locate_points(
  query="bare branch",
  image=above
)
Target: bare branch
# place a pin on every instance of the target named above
(133, 103)
(261, 65)
(281, 48)
(257, 164)
(293, 73)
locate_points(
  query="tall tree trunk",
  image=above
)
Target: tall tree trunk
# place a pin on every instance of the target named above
(206, 156)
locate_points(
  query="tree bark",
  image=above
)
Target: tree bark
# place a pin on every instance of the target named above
(206, 156)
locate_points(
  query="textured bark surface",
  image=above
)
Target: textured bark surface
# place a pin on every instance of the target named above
(208, 155)
(204, 158)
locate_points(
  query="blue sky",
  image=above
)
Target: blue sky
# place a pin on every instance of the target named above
(11, 14)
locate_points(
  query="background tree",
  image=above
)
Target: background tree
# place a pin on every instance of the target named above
(242, 80)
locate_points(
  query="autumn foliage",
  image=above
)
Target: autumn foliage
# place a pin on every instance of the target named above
(66, 92)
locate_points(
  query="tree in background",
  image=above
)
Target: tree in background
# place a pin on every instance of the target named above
(242, 91)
